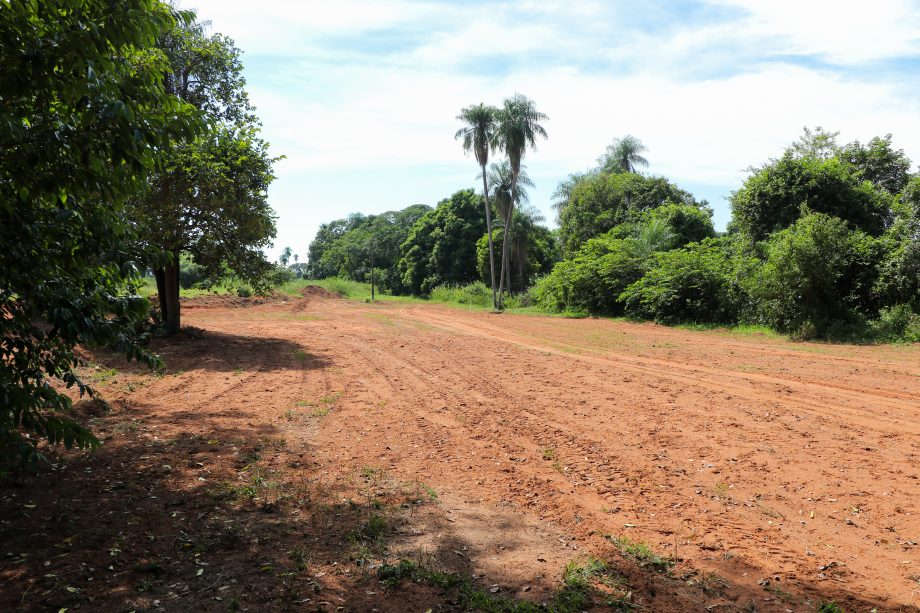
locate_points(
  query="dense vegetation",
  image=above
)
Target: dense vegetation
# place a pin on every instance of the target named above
(824, 242)
(127, 141)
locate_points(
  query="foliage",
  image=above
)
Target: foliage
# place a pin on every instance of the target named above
(593, 280)
(602, 201)
(478, 136)
(441, 247)
(343, 247)
(817, 274)
(476, 294)
(519, 126)
(878, 163)
(533, 253)
(897, 324)
(699, 283)
(771, 198)
(82, 117)
(623, 155)
(209, 197)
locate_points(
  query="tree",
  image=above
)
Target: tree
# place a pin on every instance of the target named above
(816, 275)
(623, 155)
(500, 183)
(478, 134)
(82, 116)
(518, 129)
(441, 246)
(605, 200)
(210, 197)
(878, 163)
(771, 198)
(210, 200)
(285, 256)
(339, 248)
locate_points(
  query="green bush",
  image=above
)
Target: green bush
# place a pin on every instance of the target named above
(476, 293)
(695, 284)
(897, 324)
(817, 275)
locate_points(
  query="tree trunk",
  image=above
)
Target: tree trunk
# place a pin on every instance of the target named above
(501, 285)
(485, 199)
(160, 275)
(171, 274)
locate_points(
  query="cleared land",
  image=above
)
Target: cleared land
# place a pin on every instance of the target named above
(292, 447)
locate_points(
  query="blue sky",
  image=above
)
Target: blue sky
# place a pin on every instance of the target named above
(361, 95)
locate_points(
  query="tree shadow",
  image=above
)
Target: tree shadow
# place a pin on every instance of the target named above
(194, 349)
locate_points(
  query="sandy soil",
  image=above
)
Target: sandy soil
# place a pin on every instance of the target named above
(775, 475)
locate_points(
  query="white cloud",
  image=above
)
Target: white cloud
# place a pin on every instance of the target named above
(371, 131)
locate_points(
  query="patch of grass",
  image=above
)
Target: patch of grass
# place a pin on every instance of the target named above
(549, 453)
(643, 554)
(830, 607)
(575, 595)
(320, 411)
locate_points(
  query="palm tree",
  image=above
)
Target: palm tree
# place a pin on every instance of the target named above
(285, 257)
(481, 121)
(500, 182)
(518, 129)
(623, 155)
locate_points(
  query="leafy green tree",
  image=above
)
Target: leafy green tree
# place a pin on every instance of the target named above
(623, 155)
(441, 246)
(688, 223)
(501, 179)
(771, 198)
(481, 122)
(878, 163)
(817, 275)
(343, 247)
(209, 198)
(83, 114)
(603, 201)
(285, 256)
(518, 130)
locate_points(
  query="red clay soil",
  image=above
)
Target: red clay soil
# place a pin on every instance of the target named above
(291, 448)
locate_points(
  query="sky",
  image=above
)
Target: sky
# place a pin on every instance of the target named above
(361, 96)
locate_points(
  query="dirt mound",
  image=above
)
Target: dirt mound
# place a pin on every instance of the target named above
(234, 301)
(315, 291)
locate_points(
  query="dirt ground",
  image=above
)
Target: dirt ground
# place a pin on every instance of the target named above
(290, 449)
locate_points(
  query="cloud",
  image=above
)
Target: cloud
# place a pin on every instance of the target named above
(361, 95)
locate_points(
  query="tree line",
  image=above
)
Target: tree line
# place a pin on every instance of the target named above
(127, 144)
(824, 241)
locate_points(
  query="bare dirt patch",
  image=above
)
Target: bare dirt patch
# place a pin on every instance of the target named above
(290, 451)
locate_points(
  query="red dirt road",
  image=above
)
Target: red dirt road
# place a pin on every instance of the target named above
(784, 474)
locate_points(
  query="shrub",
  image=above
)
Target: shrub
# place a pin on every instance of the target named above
(694, 284)
(817, 274)
(897, 324)
(476, 293)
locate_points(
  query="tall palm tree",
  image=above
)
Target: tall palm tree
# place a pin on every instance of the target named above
(623, 155)
(518, 129)
(481, 121)
(500, 183)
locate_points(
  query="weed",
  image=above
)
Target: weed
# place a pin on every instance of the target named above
(301, 355)
(721, 490)
(575, 594)
(549, 453)
(300, 558)
(643, 554)
(371, 531)
(320, 412)
(830, 607)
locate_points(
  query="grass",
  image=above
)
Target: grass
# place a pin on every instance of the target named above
(575, 595)
(642, 554)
